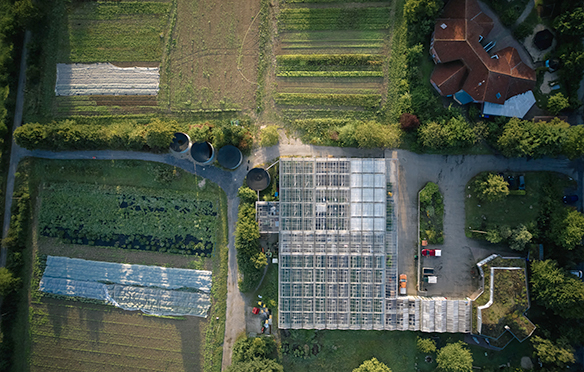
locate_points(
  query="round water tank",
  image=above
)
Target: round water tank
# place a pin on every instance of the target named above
(258, 179)
(202, 152)
(180, 142)
(229, 157)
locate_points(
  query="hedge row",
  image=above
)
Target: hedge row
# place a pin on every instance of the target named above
(368, 101)
(126, 134)
(250, 258)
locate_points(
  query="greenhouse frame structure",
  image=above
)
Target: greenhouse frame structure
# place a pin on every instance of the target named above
(338, 247)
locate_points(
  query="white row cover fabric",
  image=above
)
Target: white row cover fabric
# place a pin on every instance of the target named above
(106, 79)
(148, 300)
(67, 287)
(159, 301)
(142, 275)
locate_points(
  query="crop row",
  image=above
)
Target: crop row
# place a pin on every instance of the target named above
(294, 114)
(332, 36)
(336, 1)
(334, 19)
(330, 60)
(368, 101)
(330, 74)
(367, 46)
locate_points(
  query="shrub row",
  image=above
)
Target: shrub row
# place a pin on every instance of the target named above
(250, 258)
(126, 134)
(368, 101)
(330, 74)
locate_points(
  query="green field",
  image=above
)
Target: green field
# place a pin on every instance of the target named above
(116, 31)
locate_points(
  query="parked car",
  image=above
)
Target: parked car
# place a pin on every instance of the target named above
(521, 183)
(432, 252)
(570, 199)
(403, 281)
(578, 273)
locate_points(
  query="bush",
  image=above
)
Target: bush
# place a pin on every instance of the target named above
(490, 187)
(409, 122)
(426, 345)
(269, 136)
(557, 103)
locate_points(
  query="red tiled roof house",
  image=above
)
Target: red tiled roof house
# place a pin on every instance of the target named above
(464, 69)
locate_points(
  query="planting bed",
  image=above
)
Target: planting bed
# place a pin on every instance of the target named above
(105, 105)
(129, 217)
(104, 31)
(509, 302)
(330, 62)
(88, 337)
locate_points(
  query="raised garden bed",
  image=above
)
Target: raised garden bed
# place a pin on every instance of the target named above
(431, 214)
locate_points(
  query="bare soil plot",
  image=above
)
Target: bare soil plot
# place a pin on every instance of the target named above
(87, 337)
(213, 58)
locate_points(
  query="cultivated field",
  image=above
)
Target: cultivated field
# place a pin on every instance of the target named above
(87, 337)
(83, 336)
(213, 56)
(331, 61)
(124, 33)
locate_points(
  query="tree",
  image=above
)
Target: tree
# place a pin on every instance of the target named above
(454, 358)
(246, 349)
(409, 122)
(528, 138)
(7, 281)
(453, 133)
(269, 136)
(567, 228)
(372, 365)
(520, 237)
(247, 195)
(254, 355)
(571, 24)
(558, 354)
(490, 187)
(556, 290)
(574, 146)
(260, 260)
(417, 10)
(557, 103)
(428, 192)
(426, 345)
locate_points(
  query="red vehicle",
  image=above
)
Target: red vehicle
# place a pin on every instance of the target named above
(432, 252)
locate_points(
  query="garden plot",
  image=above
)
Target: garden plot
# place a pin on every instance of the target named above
(105, 79)
(136, 287)
(129, 217)
(330, 60)
(75, 336)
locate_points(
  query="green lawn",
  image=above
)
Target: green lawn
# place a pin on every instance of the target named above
(514, 209)
(346, 350)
